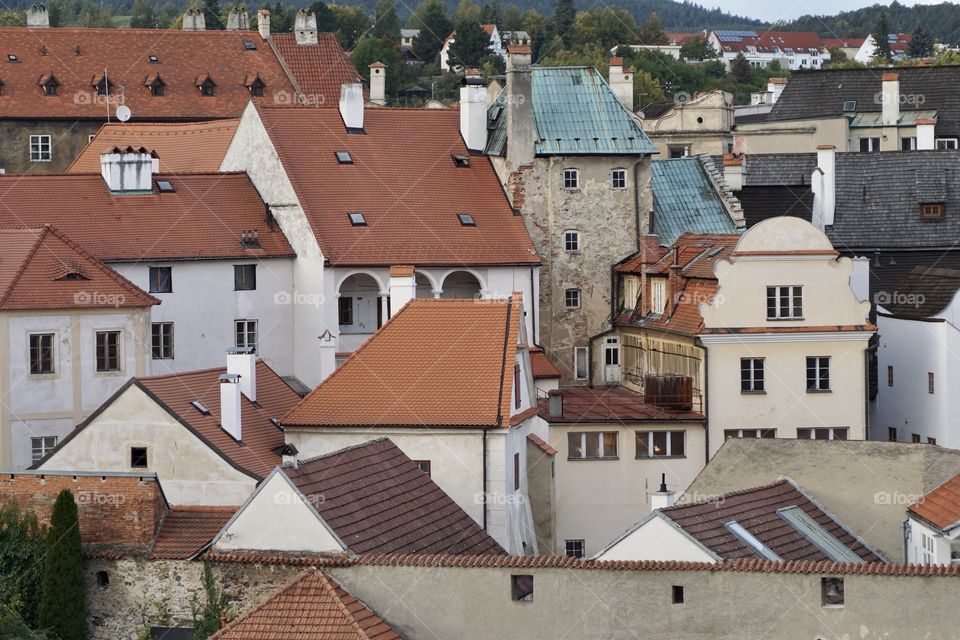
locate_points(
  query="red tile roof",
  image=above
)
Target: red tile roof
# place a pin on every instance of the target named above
(770, 41)
(602, 404)
(756, 510)
(940, 507)
(844, 43)
(183, 147)
(541, 365)
(437, 362)
(318, 69)
(204, 218)
(40, 268)
(404, 181)
(542, 444)
(312, 607)
(76, 57)
(186, 530)
(377, 500)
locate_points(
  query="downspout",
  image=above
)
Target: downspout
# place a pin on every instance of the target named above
(483, 489)
(503, 373)
(535, 301)
(706, 401)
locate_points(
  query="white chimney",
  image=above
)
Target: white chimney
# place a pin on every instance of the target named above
(662, 498)
(733, 171)
(890, 95)
(824, 186)
(237, 19)
(775, 87)
(378, 83)
(860, 278)
(621, 82)
(555, 403)
(243, 362)
(230, 404)
(194, 20)
(926, 139)
(38, 17)
(128, 170)
(351, 106)
(473, 111)
(263, 23)
(305, 27)
(403, 287)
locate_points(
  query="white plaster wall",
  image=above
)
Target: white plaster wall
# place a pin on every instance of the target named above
(657, 539)
(941, 544)
(47, 393)
(203, 306)
(189, 471)
(21, 432)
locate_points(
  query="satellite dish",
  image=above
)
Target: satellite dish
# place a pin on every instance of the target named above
(123, 113)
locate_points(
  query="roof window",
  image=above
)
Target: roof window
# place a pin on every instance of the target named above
(153, 60)
(460, 160)
(818, 536)
(357, 219)
(249, 45)
(931, 210)
(199, 407)
(164, 186)
(466, 220)
(751, 541)
(12, 58)
(344, 157)
(849, 105)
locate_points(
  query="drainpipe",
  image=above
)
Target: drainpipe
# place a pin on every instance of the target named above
(484, 488)
(906, 539)
(533, 311)
(706, 413)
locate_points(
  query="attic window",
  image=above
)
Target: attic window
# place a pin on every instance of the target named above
(206, 85)
(357, 219)
(249, 45)
(931, 210)
(50, 85)
(344, 157)
(102, 85)
(138, 457)
(255, 85)
(461, 161)
(849, 105)
(12, 58)
(73, 275)
(466, 220)
(164, 186)
(199, 407)
(156, 85)
(153, 60)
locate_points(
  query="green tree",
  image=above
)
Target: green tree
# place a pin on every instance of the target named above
(740, 69)
(92, 15)
(143, 16)
(698, 48)
(491, 13)
(512, 18)
(370, 50)
(22, 549)
(607, 26)
(13, 18)
(207, 613)
(880, 34)
(326, 18)
(211, 15)
(651, 31)
(12, 626)
(921, 44)
(470, 46)
(62, 602)
(352, 22)
(837, 55)
(431, 19)
(386, 24)
(466, 11)
(539, 29)
(563, 23)
(281, 18)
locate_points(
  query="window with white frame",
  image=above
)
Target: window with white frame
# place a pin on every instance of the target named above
(946, 143)
(618, 178)
(869, 145)
(41, 149)
(161, 340)
(580, 363)
(574, 548)
(660, 444)
(927, 554)
(749, 433)
(751, 375)
(785, 303)
(818, 373)
(571, 240)
(658, 295)
(41, 446)
(571, 178)
(584, 445)
(571, 298)
(955, 552)
(822, 433)
(246, 332)
(41, 353)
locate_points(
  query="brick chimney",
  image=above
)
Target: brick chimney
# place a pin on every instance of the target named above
(230, 405)
(890, 98)
(351, 106)
(237, 19)
(521, 129)
(305, 26)
(621, 82)
(128, 170)
(263, 23)
(926, 136)
(194, 20)
(473, 111)
(824, 186)
(403, 287)
(38, 17)
(378, 83)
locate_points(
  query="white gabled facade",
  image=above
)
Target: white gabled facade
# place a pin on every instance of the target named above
(928, 544)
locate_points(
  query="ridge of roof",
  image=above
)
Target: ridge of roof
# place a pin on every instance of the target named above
(296, 464)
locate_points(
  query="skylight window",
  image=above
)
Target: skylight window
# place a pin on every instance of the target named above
(818, 536)
(249, 45)
(461, 161)
(164, 186)
(751, 541)
(849, 105)
(199, 407)
(154, 60)
(466, 220)
(12, 58)
(357, 219)
(344, 157)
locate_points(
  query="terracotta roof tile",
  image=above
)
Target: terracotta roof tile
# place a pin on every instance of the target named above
(318, 69)
(404, 180)
(186, 530)
(183, 147)
(541, 365)
(597, 404)
(940, 507)
(203, 218)
(40, 268)
(542, 444)
(377, 500)
(312, 607)
(414, 371)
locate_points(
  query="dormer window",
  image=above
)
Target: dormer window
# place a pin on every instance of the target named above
(466, 220)
(931, 210)
(357, 219)
(206, 85)
(658, 295)
(50, 85)
(156, 84)
(255, 85)
(102, 84)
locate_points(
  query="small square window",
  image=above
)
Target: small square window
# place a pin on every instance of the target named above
(344, 157)
(677, 593)
(244, 277)
(41, 148)
(931, 440)
(618, 179)
(785, 303)
(357, 219)
(424, 466)
(161, 279)
(571, 240)
(521, 588)
(138, 457)
(914, 437)
(103, 579)
(574, 548)
(831, 592)
(571, 179)
(41, 446)
(571, 298)
(466, 220)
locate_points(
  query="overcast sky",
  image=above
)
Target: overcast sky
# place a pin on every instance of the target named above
(786, 9)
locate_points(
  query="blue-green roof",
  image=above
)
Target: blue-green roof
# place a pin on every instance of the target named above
(575, 113)
(685, 200)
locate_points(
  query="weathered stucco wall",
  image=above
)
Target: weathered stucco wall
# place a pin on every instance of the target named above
(67, 138)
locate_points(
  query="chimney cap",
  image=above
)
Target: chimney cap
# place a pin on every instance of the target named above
(519, 48)
(240, 350)
(263, 12)
(401, 271)
(826, 147)
(732, 159)
(890, 76)
(616, 61)
(231, 378)
(926, 121)
(377, 65)
(778, 80)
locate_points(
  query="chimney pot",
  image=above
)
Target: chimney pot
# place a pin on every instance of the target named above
(194, 20)
(38, 17)
(378, 83)
(237, 19)
(664, 497)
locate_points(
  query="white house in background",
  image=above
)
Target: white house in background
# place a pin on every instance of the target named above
(203, 244)
(383, 206)
(210, 436)
(933, 526)
(450, 383)
(794, 50)
(899, 47)
(71, 331)
(496, 47)
(786, 337)
(775, 522)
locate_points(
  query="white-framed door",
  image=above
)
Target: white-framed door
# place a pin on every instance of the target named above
(611, 360)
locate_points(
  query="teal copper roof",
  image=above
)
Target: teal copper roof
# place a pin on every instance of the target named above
(575, 113)
(685, 200)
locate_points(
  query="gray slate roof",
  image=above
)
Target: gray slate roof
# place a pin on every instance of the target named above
(685, 200)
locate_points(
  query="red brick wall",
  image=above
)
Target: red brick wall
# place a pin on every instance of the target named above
(112, 509)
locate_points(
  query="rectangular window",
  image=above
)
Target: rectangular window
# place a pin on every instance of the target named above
(869, 144)
(571, 178)
(582, 445)
(521, 588)
(915, 437)
(908, 144)
(658, 295)
(822, 433)
(931, 441)
(138, 457)
(108, 351)
(161, 340)
(831, 592)
(660, 444)
(751, 375)
(818, 373)
(580, 363)
(571, 298)
(571, 240)
(345, 306)
(244, 277)
(41, 446)
(161, 279)
(926, 544)
(892, 434)
(889, 375)
(618, 178)
(516, 472)
(246, 331)
(677, 593)
(517, 396)
(785, 303)
(930, 382)
(946, 143)
(574, 548)
(41, 353)
(424, 465)
(931, 210)
(41, 149)
(749, 433)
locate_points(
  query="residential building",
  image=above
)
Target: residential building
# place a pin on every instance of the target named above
(702, 124)
(469, 424)
(366, 499)
(931, 528)
(778, 522)
(408, 39)
(849, 46)
(210, 436)
(204, 244)
(387, 205)
(496, 47)
(71, 329)
(581, 183)
(786, 337)
(899, 44)
(793, 50)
